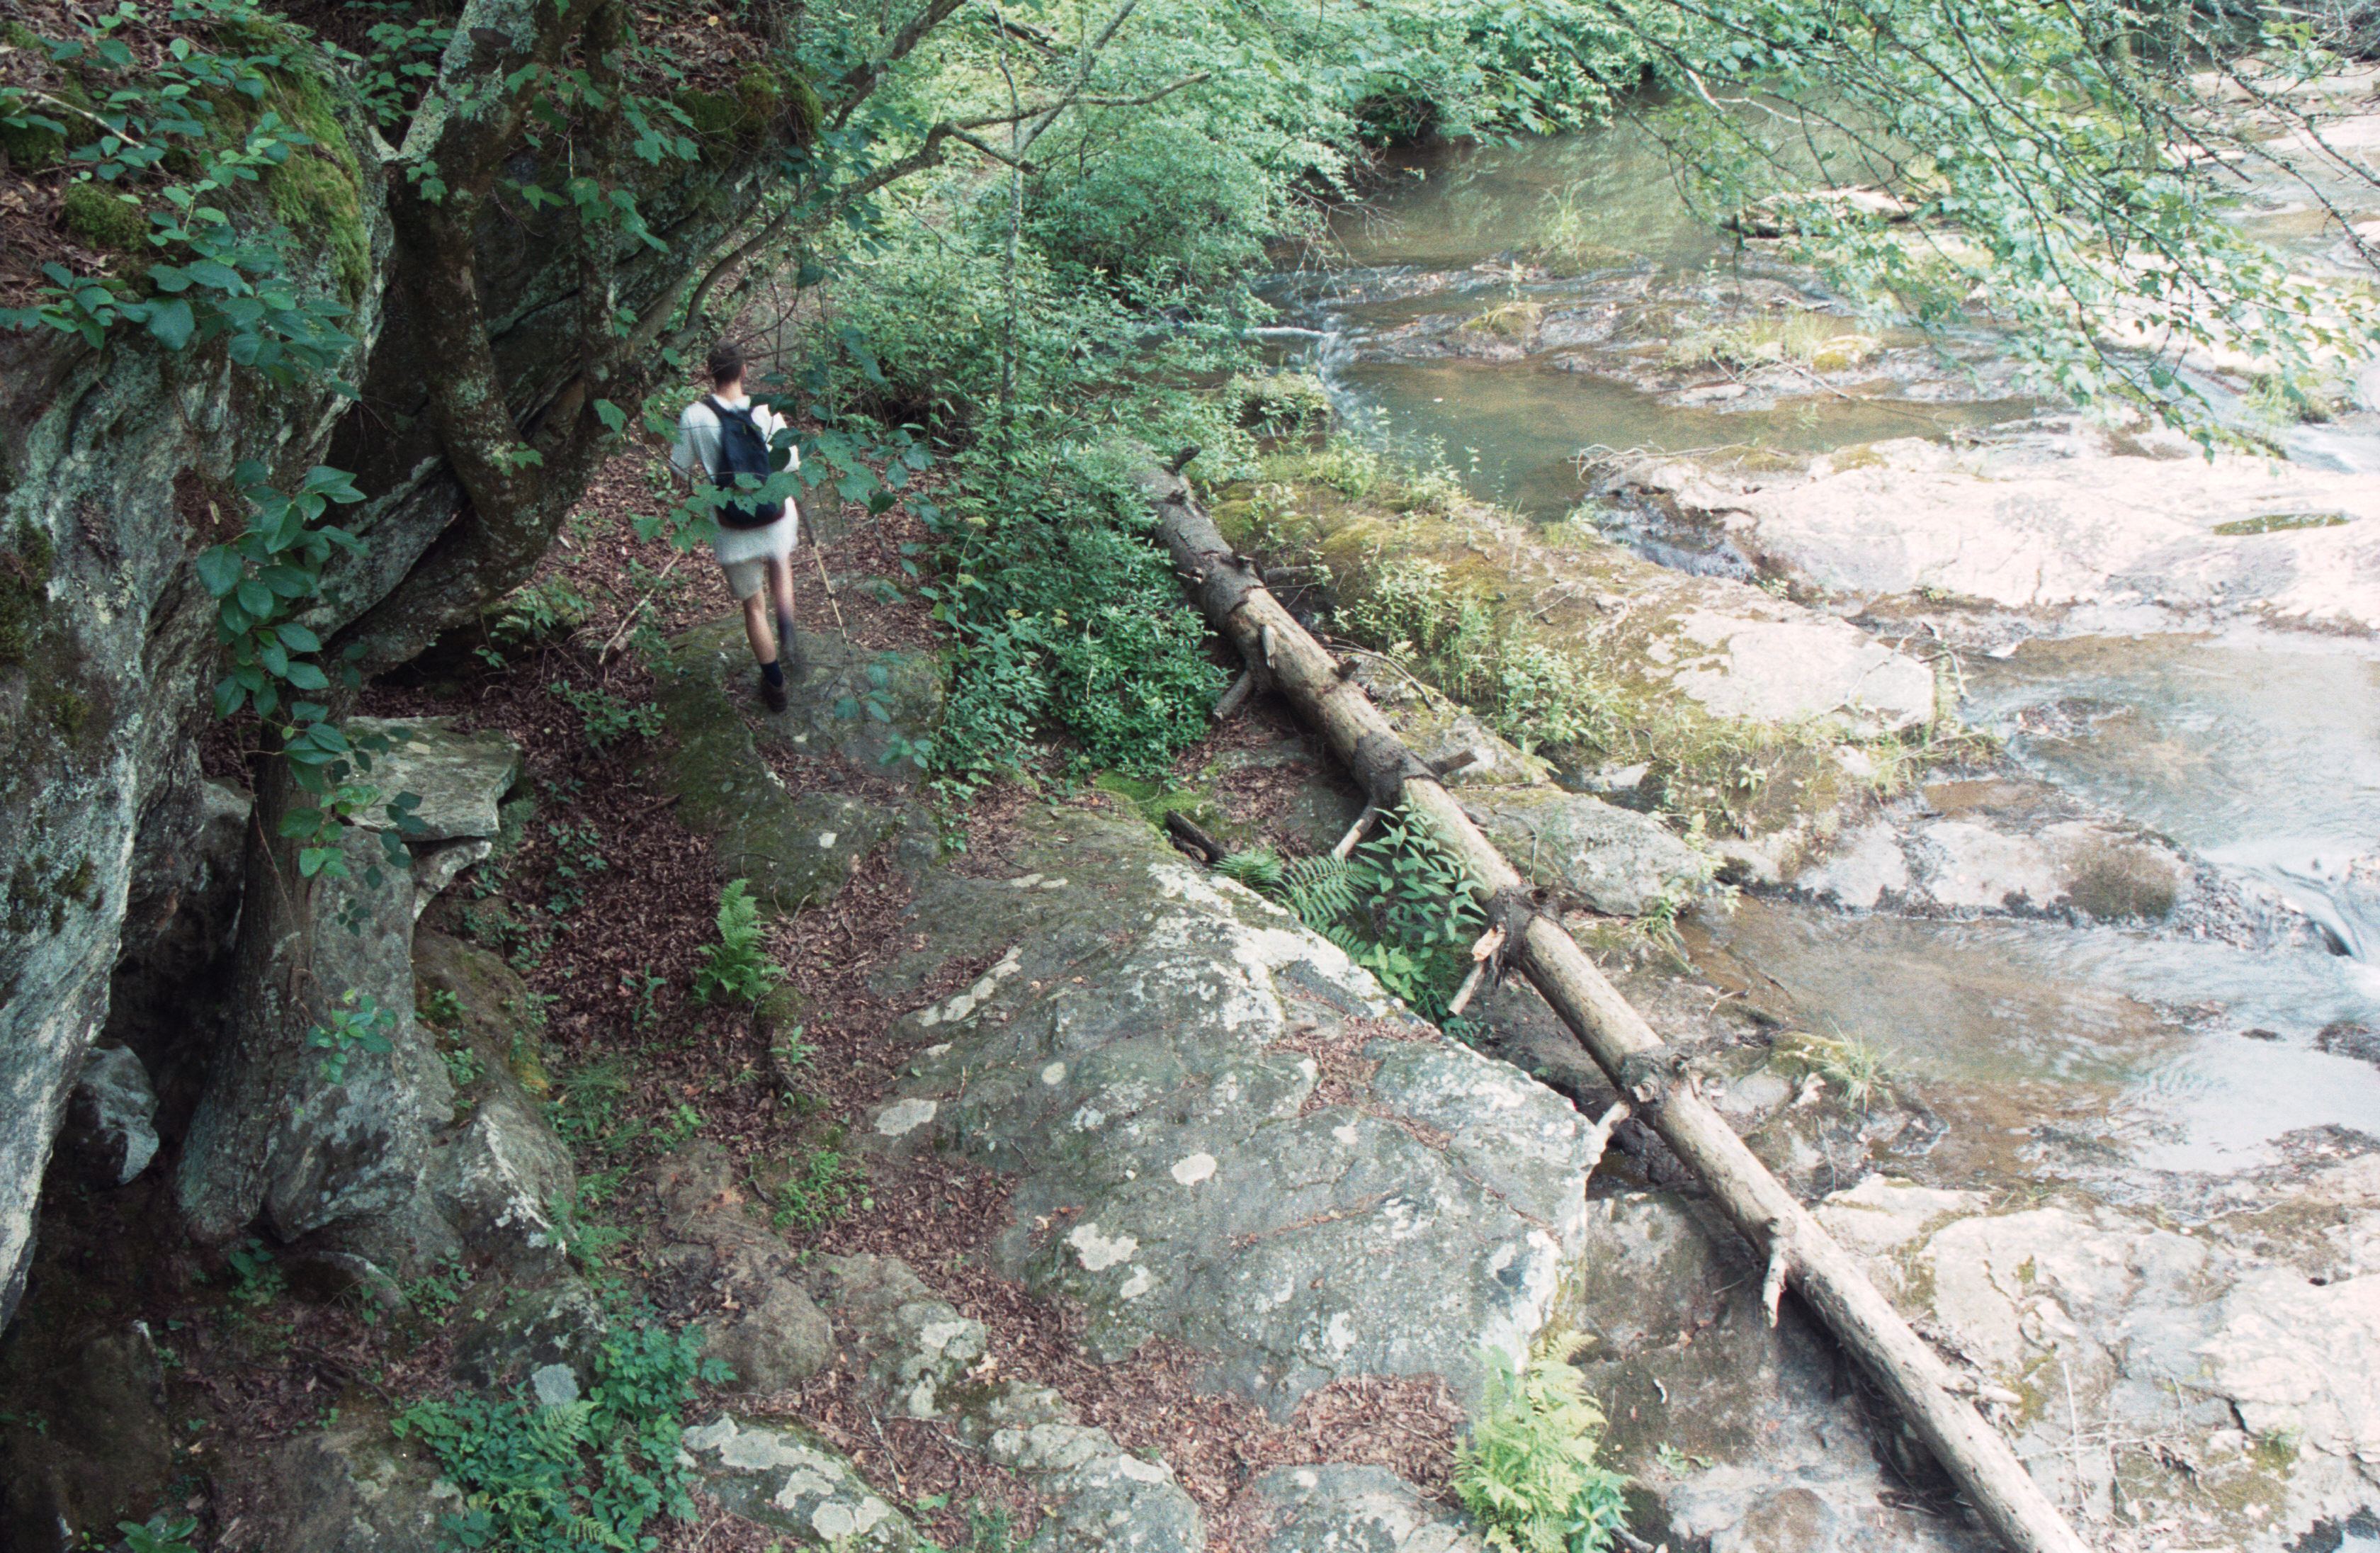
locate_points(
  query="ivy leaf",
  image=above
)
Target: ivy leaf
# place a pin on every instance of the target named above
(220, 571)
(297, 638)
(610, 414)
(255, 597)
(173, 322)
(306, 676)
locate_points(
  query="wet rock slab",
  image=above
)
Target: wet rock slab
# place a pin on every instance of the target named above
(2221, 1378)
(2064, 527)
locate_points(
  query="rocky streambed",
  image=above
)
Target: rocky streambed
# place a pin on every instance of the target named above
(2103, 976)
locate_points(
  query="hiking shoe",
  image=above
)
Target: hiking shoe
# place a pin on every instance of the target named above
(771, 696)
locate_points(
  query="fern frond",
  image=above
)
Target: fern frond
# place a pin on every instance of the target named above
(1258, 869)
(1320, 890)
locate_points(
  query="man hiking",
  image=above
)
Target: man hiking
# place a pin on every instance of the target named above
(724, 434)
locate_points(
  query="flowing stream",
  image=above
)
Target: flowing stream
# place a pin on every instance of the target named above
(1448, 329)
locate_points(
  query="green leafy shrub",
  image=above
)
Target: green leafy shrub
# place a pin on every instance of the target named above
(358, 1023)
(1527, 1473)
(821, 1186)
(585, 1473)
(159, 1534)
(1402, 907)
(606, 719)
(738, 965)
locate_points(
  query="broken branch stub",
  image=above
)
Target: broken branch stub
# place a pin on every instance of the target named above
(1781, 1232)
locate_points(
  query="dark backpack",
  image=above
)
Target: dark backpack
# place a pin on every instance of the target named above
(742, 451)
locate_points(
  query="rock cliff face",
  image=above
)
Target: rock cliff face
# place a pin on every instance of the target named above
(115, 473)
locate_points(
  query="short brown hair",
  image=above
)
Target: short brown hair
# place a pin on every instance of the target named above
(726, 362)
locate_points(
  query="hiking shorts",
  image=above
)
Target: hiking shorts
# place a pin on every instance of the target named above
(744, 554)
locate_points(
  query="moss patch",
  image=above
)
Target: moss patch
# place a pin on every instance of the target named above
(40, 892)
(30, 147)
(2280, 522)
(760, 101)
(24, 590)
(316, 191)
(317, 199)
(95, 214)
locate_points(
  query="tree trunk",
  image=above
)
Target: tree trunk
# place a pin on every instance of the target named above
(1797, 1249)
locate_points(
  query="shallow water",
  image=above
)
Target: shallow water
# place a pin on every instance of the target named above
(1512, 432)
(2128, 1049)
(2263, 755)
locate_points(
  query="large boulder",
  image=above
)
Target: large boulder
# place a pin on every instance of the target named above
(1587, 852)
(86, 1443)
(115, 469)
(313, 1142)
(111, 1120)
(769, 1333)
(1221, 1132)
(782, 1478)
(353, 1487)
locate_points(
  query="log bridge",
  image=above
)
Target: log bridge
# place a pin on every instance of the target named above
(1652, 1079)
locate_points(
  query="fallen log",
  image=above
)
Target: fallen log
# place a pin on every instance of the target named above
(1641, 1066)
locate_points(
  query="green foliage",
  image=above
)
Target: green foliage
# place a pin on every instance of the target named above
(1540, 696)
(578, 851)
(258, 582)
(159, 1534)
(1527, 1473)
(161, 156)
(403, 61)
(2042, 137)
(257, 1279)
(358, 1023)
(587, 1113)
(819, 1187)
(737, 966)
(1402, 907)
(1168, 199)
(605, 719)
(1062, 616)
(594, 1471)
(1854, 1066)
(538, 611)
(463, 1066)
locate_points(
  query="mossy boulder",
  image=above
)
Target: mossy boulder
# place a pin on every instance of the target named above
(761, 102)
(96, 214)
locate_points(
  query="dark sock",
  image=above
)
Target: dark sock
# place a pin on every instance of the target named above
(774, 672)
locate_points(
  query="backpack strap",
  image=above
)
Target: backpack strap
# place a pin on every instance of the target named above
(719, 414)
